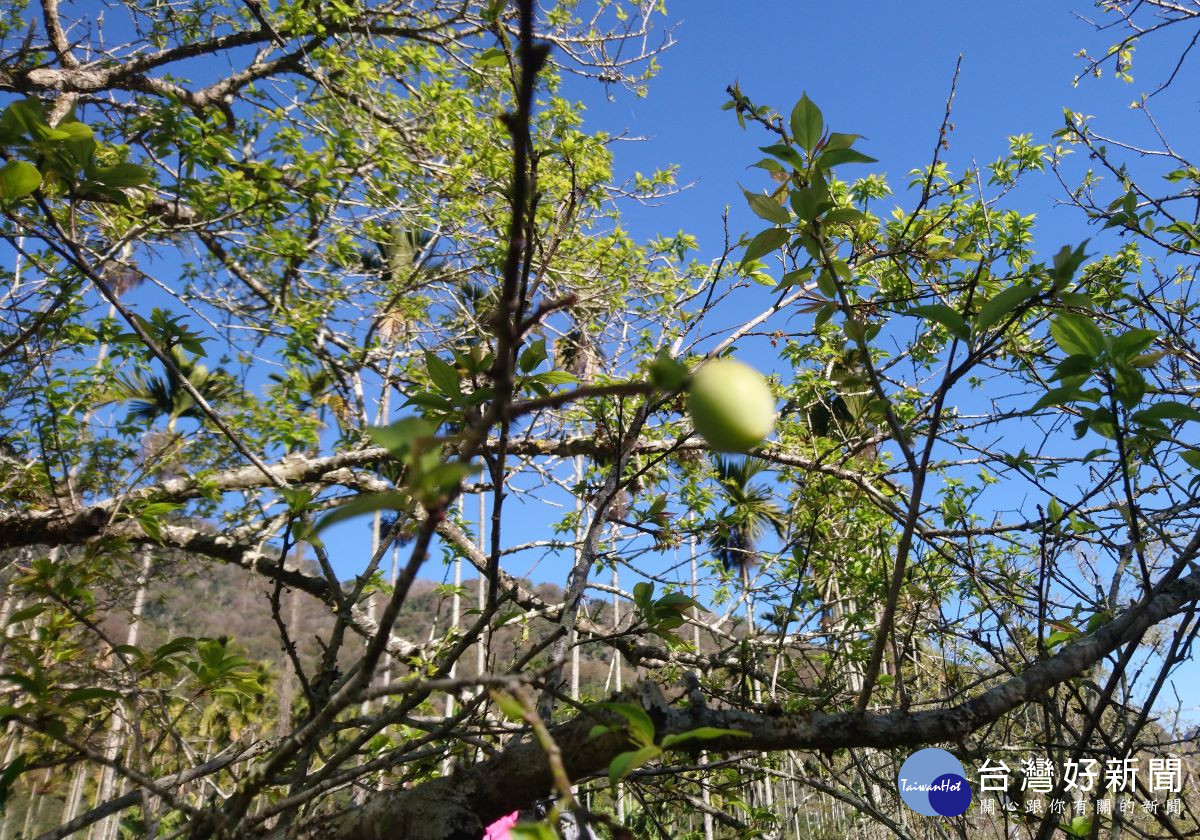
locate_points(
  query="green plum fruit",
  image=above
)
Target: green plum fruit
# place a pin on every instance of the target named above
(731, 405)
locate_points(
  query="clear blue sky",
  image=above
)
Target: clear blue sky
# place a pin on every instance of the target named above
(880, 69)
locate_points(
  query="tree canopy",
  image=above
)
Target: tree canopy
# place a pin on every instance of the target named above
(315, 303)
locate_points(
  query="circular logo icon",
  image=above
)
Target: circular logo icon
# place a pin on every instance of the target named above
(932, 782)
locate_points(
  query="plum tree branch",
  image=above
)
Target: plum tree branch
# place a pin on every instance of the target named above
(474, 796)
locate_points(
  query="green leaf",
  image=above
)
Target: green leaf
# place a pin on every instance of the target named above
(806, 123)
(1080, 364)
(999, 306)
(296, 499)
(676, 602)
(702, 733)
(1079, 300)
(627, 762)
(1132, 343)
(431, 484)
(1075, 334)
(175, 646)
(764, 243)
(27, 613)
(825, 313)
(810, 202)
(1099, 420)
(54, 727)
(1058, 637)
(555, 377)
(18, 178)
(494, 8)
(75, 130)
(1062, 396)
(1191, 457)
(82, 695)
(1079, 826)
(442, 374)
(509, 705)
(1147, 360)
(491, 57)
(640, 725)
(769, 165)
(430, 400)
(668, 373)
(533, 356)
(364, 504)
(1120, 219)
(826, 284)
(122, 175)
(1167, 411)
(8, 777)
(28, 116)
(944, 315)
(855, 330)
(598, 730)
(836, 157)
(767, 208)
(400, 437)
(843, 215)
(642, 593)
(32, 685)
(794, 278)
(1067, 262)
(1054, 510)
(1177, 175)
(785, 153)
(1130, 385)
(1079, 525)
(838, 140)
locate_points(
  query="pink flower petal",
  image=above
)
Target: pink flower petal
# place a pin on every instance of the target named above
(499, 829)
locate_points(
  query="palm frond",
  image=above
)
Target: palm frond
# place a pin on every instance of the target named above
(750, 509)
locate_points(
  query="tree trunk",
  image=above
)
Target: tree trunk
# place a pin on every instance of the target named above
(455, 621)
(481, 647)
(290, 680)
(116, 728)
(75, 799)
(694, 568)
(578, 533)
